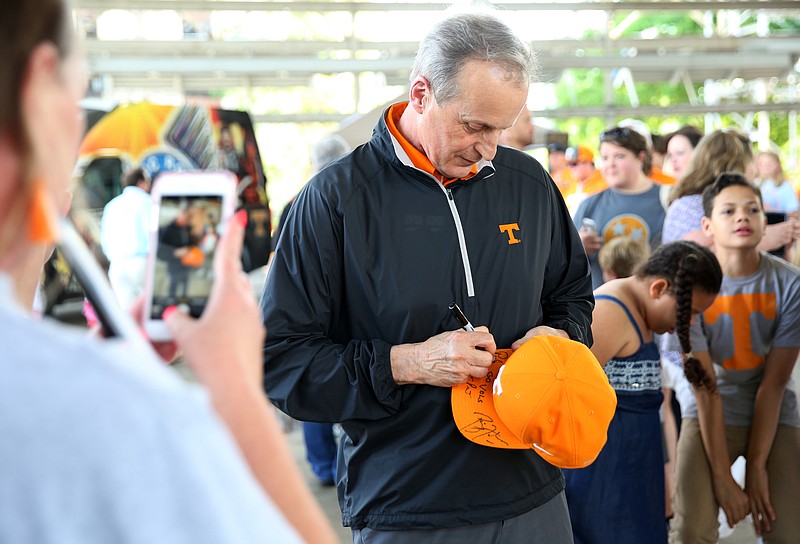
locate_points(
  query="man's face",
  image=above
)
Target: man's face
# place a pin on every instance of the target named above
(145, 185)
(182, 219)
(556, 161)
(466, 129)
(521, 134)
(581, 170)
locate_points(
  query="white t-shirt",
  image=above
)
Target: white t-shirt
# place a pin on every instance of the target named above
(779, 198)
(101, 444)
(124, 225)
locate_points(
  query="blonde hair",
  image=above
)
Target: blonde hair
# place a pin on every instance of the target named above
(623, 255)
(780, 175)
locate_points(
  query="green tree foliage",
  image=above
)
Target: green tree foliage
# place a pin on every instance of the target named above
(675, 23)
(587, 87)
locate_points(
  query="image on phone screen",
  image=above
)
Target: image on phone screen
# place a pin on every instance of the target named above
(188, 232)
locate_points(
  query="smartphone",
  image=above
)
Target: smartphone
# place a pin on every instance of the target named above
(188, 213)
(588, 225)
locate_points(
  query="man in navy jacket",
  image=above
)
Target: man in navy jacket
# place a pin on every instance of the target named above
(377, 245)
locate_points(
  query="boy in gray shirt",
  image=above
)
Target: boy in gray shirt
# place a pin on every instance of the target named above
(750, 338)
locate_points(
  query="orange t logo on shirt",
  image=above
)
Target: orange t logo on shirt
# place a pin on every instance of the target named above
(739, 308)
(509, 230)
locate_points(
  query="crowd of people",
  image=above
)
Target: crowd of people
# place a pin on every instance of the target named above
(735, 395)
(668, 280)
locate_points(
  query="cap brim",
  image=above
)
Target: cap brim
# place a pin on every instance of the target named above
(474, 412)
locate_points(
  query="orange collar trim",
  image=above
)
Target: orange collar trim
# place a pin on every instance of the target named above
(417, 157)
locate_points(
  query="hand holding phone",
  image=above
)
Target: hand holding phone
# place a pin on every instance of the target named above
(188, 215)
(589, 236)
(588, 225)
(776, 218)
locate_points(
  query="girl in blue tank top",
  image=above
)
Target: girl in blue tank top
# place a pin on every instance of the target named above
(620, 497)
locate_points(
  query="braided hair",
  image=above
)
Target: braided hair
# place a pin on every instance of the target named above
(686, 265)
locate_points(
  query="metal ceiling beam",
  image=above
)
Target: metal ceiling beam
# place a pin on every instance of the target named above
(600, 111)
(566, 113)
(300, 118)
(210, 5)
(673, 109)
(207, 84)
(95, 47)
(207, 64)
(251, 65)
(310, 65)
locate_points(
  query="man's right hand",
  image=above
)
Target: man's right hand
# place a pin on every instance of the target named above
(444, 360)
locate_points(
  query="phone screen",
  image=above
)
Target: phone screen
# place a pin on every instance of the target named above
(188, 233)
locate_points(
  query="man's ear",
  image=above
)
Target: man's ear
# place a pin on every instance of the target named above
(420, 94)
(658, 288)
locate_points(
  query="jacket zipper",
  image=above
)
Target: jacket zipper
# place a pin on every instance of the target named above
(462, 243)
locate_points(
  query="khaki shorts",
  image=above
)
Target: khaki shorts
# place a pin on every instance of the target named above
(695, 508)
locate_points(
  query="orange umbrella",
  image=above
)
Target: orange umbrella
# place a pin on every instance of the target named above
(134, 128)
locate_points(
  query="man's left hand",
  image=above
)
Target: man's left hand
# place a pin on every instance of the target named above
(539, 331)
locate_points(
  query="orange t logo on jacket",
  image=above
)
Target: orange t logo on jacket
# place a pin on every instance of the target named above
(739, 308)
(509, 229)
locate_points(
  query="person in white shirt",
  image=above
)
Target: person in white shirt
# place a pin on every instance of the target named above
(124, 236)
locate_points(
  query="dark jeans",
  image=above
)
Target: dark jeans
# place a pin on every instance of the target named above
(321, 450)
(178, 282)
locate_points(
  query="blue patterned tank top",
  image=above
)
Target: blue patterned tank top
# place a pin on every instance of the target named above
(638, 372)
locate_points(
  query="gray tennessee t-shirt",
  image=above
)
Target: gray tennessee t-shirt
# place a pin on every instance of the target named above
(749, 317)
(640, 216)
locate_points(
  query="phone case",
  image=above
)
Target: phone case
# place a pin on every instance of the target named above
(188, 214)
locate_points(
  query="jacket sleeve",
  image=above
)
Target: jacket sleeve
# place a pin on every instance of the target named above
(567, 299)
(314, 370)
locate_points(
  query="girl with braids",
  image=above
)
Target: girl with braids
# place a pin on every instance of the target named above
(620, 497)
(749, 338)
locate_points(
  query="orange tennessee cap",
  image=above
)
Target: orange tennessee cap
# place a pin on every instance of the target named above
(551, 395)
(579, 154)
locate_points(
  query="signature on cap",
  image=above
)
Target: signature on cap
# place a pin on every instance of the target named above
(483, 426)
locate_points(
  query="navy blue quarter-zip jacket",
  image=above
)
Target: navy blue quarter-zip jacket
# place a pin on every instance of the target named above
(373, 252)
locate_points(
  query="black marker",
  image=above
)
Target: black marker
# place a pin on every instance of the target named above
(460, 317)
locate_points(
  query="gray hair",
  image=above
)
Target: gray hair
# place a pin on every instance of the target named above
(327, 150)
(470, 36)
